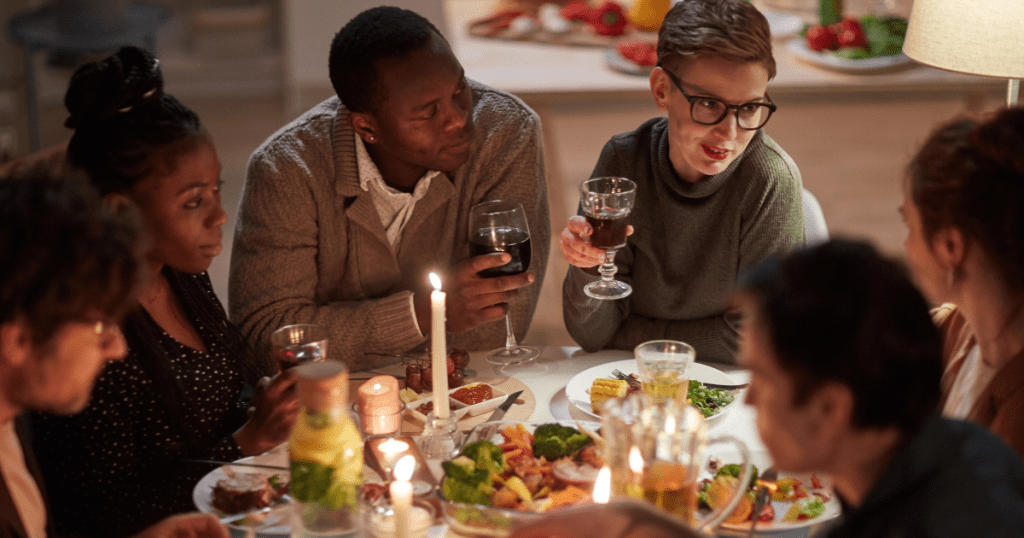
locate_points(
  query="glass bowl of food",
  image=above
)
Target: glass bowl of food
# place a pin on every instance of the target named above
(512, 472)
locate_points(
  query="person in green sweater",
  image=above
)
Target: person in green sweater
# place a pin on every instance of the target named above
(715, 194)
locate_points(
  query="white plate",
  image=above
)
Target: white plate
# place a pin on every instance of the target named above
(578, 389)
(782, 24)
(616, 62)
(763, 461)
(868, 65)
(202, 494)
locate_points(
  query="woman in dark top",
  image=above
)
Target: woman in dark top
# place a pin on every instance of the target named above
(124, 462)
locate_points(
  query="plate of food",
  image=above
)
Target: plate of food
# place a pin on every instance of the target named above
(714, 403)
(517, 474)
(798, 499)
(632, 57)
(868, 44)
(239, 489)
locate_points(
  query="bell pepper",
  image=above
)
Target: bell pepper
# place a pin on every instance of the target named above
(609, 19)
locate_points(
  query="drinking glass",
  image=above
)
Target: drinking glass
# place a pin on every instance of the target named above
(500, 226)
(655, 453)
(663, 366)
(293, 345)
(607, 202)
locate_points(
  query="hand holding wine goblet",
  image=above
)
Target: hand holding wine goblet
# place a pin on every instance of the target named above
(576, 246)
(607, 203)
(500, 226)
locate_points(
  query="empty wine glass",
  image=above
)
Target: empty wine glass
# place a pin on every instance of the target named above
(607, 202)
(500, 226)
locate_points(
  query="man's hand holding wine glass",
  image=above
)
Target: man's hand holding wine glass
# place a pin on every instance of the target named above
(474, 299)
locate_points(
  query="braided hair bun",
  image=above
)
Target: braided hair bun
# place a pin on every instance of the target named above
(114, 85)
(123, 120)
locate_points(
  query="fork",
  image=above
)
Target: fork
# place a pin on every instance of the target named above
(763, 497)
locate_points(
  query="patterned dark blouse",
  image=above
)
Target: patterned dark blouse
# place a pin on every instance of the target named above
(119, 466)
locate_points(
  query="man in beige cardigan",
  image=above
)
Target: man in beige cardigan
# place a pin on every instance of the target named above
(347, 209)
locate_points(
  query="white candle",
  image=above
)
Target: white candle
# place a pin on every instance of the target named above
(401, 494)
(603, 486)
(439, 356)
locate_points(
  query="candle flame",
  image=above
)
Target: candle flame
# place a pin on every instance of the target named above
(603, 486)
(376, 386)
(435, 281)
(636, 460)
(404, 468)
(392, 446)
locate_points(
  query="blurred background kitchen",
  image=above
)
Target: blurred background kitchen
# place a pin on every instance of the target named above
(247, 67)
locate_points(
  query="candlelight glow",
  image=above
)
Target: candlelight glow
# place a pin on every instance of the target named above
(435, 281)
(404, 468)
(391, 447)
(636, 460)
(603, 486)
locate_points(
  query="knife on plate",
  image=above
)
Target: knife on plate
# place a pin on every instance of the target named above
(490, 426)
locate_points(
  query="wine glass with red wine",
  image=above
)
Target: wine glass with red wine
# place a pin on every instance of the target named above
(607, 202)
(500, 226)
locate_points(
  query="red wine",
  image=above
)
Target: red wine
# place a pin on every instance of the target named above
(609, 229)
(512, 240)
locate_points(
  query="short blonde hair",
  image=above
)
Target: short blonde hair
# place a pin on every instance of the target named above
(730, 29)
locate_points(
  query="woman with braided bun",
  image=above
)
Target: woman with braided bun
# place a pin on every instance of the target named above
(965, 244)
(124, 463)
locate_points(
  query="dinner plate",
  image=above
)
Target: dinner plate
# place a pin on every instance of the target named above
(617, 62)
(763, 461)
(202, 494)
(578, 389)
(866, 66)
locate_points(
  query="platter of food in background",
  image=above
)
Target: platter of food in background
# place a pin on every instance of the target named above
(865, 45)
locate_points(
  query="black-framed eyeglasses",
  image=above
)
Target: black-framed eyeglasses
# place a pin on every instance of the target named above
(711, 111)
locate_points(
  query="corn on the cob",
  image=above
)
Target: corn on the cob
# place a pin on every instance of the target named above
(604, 389)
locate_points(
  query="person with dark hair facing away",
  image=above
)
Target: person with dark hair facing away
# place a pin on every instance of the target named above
(347, 209)
(714, 192)
(845, 368)
(180, 393)
(965, 244)
(73, 269)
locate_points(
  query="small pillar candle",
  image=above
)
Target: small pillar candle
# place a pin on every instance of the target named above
(379, 405)
(439, 355)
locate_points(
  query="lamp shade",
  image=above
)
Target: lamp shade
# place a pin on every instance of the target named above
(978, 37)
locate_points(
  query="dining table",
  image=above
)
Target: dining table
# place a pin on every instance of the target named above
(544, 381)
(547, 377)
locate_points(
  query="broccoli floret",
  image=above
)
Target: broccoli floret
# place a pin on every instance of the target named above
(577, 441)
(555, 441)
(456, 490)
(464, 469)
(735, 470)
(551, 448)
(486, 455)
(552, 430)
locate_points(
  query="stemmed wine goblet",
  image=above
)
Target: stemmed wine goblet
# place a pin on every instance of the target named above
(500, 226)
(607, 202)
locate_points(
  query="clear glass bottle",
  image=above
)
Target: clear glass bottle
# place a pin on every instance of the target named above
(326, 453)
